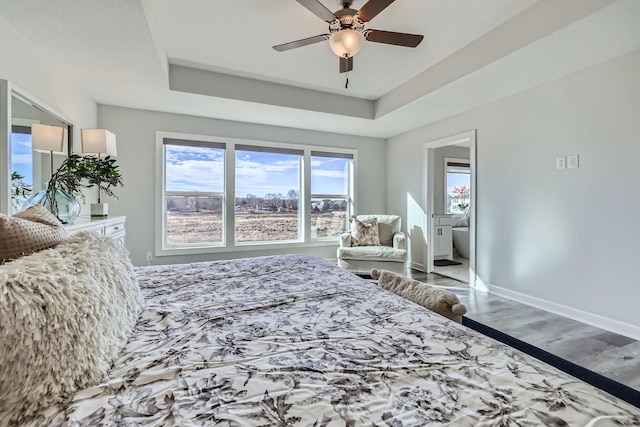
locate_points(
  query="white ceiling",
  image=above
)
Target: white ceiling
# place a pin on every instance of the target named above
(473, 52)
(254, 26)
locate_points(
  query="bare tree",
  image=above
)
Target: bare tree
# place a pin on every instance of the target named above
(252, 201)
(293, 197)
(272, 200)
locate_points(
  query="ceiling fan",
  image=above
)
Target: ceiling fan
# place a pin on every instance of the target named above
(347, 31)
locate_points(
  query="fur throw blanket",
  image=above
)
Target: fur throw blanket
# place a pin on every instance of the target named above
(65, 314)
(435, 299)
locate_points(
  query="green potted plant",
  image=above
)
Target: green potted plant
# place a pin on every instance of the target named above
(66, 184)
(19, 190)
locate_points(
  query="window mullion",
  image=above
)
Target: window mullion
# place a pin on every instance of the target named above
(352, 190)
(229, 220)
(305, 197)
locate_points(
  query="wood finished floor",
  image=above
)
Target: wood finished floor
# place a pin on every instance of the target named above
(612, 355)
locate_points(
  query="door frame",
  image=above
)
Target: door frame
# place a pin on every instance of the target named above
(429, 196)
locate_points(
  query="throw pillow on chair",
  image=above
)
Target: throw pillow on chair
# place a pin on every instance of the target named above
(364, 233)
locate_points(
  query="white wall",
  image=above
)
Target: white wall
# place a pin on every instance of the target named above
(24, 65)
(136, 134)
(38, 78)
(564, 240)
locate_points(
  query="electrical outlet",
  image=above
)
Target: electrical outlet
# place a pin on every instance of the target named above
(149, 257)
(572, 161)
(561, 162)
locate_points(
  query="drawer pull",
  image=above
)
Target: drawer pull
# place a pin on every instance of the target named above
(116, 228)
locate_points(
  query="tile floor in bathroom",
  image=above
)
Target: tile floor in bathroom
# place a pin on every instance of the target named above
(458, 272)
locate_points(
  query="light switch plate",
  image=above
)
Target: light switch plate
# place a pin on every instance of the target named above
(572, 161)
(561, 162)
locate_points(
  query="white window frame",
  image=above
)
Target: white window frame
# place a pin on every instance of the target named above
(229, 244)
(161, 208)
(350, 187)
(448, 160)
(240, 147)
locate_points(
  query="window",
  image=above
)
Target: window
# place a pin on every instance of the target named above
(225, 194)
(194, 193)
(331, 202)
(21, 166)
(267, 191)
(457, 185)
(21, 153)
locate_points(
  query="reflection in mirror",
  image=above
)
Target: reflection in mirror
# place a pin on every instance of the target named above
(30, 169)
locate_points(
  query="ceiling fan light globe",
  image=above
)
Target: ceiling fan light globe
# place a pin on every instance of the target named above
(346, 43)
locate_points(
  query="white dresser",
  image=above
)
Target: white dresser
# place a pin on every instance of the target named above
(113, 226)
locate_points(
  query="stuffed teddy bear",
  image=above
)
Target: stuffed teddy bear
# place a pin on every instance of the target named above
(435, 299)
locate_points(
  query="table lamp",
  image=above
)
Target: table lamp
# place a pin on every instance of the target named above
(49, 139)
(99, 142)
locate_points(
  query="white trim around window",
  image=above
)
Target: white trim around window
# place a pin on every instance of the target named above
(454, 165)
(228, 195)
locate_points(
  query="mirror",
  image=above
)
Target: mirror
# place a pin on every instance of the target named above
(29, 169)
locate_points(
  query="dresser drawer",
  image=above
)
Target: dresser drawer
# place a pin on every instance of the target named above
(120, 238)
(112, 229)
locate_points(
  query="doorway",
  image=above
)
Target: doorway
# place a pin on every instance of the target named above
(450, 207)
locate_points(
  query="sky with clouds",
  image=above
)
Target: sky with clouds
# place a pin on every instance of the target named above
(201, 169)
(21, 156)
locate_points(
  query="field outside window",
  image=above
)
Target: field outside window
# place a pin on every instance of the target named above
(194, 194)
(330, 195)
(267, 192)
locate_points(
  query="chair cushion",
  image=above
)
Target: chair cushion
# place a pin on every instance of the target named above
(29, 231)
(388, 225)
(372, 253)
(364, 233)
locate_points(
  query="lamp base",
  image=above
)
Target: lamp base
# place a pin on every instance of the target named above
(99, 209)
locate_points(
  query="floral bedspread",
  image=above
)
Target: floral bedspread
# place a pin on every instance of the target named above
(295, 341)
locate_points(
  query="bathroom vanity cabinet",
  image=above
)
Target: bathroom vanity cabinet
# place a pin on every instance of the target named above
(442, 237)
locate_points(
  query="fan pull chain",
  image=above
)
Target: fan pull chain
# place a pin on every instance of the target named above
(346, 82)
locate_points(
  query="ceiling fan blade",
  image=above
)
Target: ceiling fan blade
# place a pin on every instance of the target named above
(372, 8)
(300, 43)
(318, 9)
(346, 64)
(397, 39)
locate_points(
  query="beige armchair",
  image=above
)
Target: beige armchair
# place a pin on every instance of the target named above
(391, 255)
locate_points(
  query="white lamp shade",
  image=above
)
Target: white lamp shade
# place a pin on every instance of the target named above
(49, 139)
(346, 43)
(98, 141)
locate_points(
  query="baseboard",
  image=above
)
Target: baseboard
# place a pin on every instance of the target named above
(417, 266)
(612, 325)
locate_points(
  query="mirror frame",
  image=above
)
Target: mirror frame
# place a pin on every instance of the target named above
(7, 91)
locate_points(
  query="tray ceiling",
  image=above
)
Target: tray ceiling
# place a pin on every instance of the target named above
(214, 58)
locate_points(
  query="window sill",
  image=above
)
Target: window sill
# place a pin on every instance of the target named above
(245, 247)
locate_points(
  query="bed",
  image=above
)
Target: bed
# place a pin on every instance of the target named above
(293, 340)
